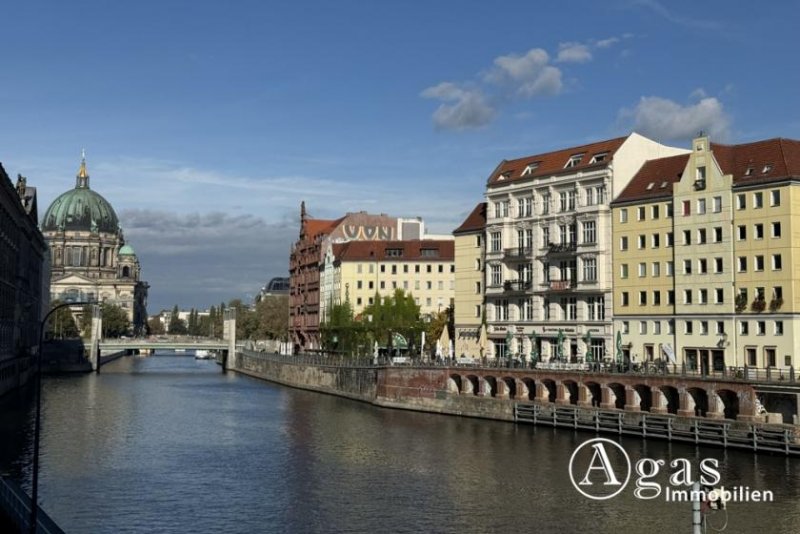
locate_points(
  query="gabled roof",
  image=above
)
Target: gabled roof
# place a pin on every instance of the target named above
(411, 250)
(551, 163)
(780, 158)
(475, 221)
(318, 227)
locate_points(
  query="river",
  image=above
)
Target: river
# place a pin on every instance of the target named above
(168, 443)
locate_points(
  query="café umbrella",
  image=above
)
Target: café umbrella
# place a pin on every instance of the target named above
(560, 345)
(619, 347)
(534, 353)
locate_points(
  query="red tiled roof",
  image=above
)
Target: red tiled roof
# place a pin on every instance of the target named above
(376, 250)
(553, 162)
(316, 227)
(780, 157)
(475, 221)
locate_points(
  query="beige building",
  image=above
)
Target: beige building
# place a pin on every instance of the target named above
(90, 260)
(705, 262)
(548, 282)
(469, 272)
(363, 269)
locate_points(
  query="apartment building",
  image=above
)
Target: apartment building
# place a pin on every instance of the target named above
(548, 282)
(704, 257)
(469, 275)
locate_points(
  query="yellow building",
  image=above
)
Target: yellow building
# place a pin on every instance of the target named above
(362, 269)
(704, 260)
(469, 266)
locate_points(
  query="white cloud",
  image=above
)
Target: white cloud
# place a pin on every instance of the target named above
(605, 43)
(574, 53)
(666, 120)
(463, 108)
(528, 75)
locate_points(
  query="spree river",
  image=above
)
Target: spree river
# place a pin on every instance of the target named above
(171, 444)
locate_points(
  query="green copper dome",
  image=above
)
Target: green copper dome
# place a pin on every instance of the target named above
(81, 209)
(126, 250)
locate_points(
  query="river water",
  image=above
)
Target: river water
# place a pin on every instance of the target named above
(170, 444)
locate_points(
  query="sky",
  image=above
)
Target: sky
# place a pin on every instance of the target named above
(206, 123)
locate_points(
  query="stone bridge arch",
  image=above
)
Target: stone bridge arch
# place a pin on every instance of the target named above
(549, 389)
(454, 384)
(471, 386)
(489, 386)
(508, 386)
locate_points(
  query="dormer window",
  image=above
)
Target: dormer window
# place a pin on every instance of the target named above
(663, 185)
(701, 173)
(394, 252)
(597, 158)
(573, 161)
(749, 171)
(530, 168)
(504, 175)
(767, 168)
(650, 186)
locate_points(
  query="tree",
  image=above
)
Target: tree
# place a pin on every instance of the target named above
(155, 326)
(62, 324)
(177, 326)
(439, 321)
(397, 313)
(272, 313)
(115, 320)
(341, 332)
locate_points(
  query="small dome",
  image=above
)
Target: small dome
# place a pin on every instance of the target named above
(126, 250)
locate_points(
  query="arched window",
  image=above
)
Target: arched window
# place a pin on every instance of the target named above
(126, 272)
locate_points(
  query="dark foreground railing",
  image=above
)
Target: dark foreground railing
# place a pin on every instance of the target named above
(15, 505)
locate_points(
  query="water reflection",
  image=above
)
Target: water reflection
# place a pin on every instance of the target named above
(170, 444)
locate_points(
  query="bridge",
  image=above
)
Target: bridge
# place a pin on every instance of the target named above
(115, 345)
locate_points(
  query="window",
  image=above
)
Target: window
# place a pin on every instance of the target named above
(717, 265)
(687, 237)
(702, 296)
(371, 285)
(572, 308)
(546, 308)
(703, 328)
(589, 232)
(394, 268)
(623, 215)
(360, 268)
(669, 210)
(687, 296)
(701, 236)
(758, 200)
(741, 232)
(775, 197)
(758, 231)
(360, 284)
(777, 264)
(687, 327)
(573, 161)
(670, 268)
(656, 298)
(501, 208)
(383, 284)
(717, 204)
(670, 327)
(441, 268)
(440, 285)
(477, 288)
(719, 295)
(642, 327)
(776, 229)
(623, 243)
(597, 310)
(778, 328)
(777, 293)
(428, 268)
(597, 158)
(718, 234)
(670, 239)
(642, 270)
(405, 267)
(623, 270)
(545, 236)
(530, 168)
(383, 268)
(641, 241)
(624, 298)
(640, 215)
(416, 268)
(477, 310)
(654, 211)
(671, 297)
(687, 208)
(701, 206)
(656, 269)
(742, 264)
(655, 240)
(496, 241)
(478, 241)
(759, 263)
(545, 203)
(429, 284)
(477, 265)
(700, 173)
(626, 327)
(501, 310)
(590, 269)
(702, 266)
(496, 275)
(741, 201)
(358, 301)
(657, 327)
(769, 357)
(524, 207)
(687, 266)
(761, 328)
(744, 328)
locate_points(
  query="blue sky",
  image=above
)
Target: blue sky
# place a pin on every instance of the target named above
(206, 123)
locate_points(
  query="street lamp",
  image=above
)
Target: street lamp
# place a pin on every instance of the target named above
(38, 423)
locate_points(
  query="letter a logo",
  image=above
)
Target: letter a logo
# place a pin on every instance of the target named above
(592, 460)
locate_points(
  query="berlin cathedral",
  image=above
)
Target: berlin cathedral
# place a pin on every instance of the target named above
(90, 260)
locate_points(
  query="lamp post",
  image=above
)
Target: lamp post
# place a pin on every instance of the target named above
(38, 420)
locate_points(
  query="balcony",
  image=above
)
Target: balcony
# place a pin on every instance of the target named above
(516, 286)
(562, 248)
(518, 253)
(562, 285)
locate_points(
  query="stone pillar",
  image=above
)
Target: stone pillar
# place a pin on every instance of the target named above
(96, 335)
(660, 404)
(542, 393)
(633, 402)
(584, 396)
(747, 408)
(229, 335)
(467, 388)
(484, 389)
(562, 393)
(502, 389)
(716, 408)
(687, 405)
(522, 390)
(608, 399)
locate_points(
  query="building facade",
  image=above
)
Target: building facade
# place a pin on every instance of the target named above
(705, 257)
(362, 270)
(306, 264)
(23, 281)
(90, 260)
(548, 282)
(469, 262)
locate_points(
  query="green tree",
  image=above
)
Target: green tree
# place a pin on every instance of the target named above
(439, 321)
(61, 324)
(155, 326)
(341, 332)
(177, 326)
(397, 313)
(272, 313)
(115, 320)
